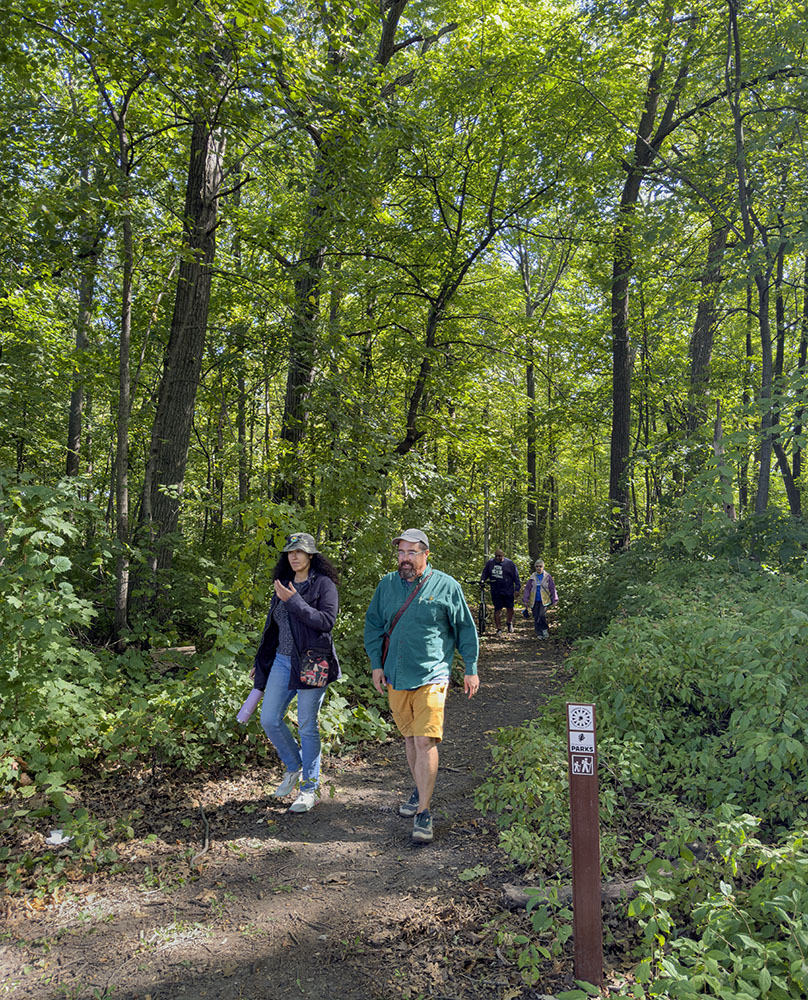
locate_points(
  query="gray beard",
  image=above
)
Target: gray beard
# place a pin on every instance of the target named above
(408, 573)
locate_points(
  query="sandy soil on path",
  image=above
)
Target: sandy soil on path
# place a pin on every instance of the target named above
(335, 903)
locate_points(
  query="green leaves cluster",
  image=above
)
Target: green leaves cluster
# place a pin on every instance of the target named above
(707, 676)
(701, 687)
(54, 689)
(734, 926)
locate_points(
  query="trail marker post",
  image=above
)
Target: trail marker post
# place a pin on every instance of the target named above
(587, 920)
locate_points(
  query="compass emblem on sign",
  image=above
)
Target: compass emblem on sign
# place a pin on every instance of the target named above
(580, 717)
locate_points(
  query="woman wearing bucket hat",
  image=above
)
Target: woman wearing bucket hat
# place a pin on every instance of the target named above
(300, 620)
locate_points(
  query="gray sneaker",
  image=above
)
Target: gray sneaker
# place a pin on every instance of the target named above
(289, 784)
(422, 827)
(410, 807)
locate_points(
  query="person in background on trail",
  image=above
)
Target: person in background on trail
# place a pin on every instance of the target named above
(505, 582)
(416, 618)
(301, 617)
(539, 594)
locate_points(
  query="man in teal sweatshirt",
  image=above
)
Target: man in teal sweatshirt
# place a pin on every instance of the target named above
(411, 658)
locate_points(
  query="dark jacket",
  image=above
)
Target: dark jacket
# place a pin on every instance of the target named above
(504, 577)
(311, 620)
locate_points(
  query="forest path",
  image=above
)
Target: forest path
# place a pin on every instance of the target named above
(336, 903)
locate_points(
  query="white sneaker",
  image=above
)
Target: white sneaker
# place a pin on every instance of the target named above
(289, 784)
(305, 801)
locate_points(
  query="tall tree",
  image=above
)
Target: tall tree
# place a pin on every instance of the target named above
(173, 422)
(654, 127)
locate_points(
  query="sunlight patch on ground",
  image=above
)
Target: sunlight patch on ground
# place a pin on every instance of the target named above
(171, 935)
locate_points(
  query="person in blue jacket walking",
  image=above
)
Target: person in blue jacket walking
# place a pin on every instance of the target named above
(417, 617)
(301, 617)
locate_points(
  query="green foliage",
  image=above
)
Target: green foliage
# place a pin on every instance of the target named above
(344, 723)
(595, 586)
(528, 770)
(707, 675)
(527, 792)
(69, 709)
(701, 687)
(56, 693)
(550, 926)
(734, 925)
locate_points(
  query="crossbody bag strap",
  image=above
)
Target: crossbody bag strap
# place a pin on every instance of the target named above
(400, 612)
(406, 604)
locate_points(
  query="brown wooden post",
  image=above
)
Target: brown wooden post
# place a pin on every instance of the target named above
(587, 923)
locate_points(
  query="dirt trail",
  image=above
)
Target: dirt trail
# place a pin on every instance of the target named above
(335, 903)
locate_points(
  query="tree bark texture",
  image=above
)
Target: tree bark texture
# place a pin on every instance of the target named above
(122, 448)
(171, 432)
(761, 270)
(303, 343)
(533, 540)
(802, 367)
(792, 490)
(306, 310)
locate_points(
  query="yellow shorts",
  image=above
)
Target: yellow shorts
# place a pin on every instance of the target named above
(419, 712)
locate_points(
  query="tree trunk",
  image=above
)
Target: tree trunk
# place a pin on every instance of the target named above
(746, 398)
(533, 540)
(122, 449)
(765, 397)
(83, 320)
(761, 274)
(646, 147)
(308, 283)
(621, 368)
(701, 342)
(303, 340)
(173, 422)
(792, 490)
(241, 381)
(802, 366)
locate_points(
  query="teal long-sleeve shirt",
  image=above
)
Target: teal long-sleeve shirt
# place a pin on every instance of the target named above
(423, 642)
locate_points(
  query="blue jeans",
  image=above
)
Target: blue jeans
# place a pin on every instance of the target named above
(277, 698)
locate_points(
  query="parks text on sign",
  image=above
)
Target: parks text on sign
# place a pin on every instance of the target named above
(582, 742)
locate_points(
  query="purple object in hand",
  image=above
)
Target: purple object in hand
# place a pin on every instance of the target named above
(249, 706)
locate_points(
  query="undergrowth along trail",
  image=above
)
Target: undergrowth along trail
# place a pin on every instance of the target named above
(333, 903)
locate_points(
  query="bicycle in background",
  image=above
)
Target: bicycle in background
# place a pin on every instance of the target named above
(482, 608)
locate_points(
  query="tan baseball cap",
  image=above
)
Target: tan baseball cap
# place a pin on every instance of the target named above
(412, 535)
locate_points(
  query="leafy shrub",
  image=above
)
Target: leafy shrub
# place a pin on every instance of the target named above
(54, 690)
(712, 682)
(735, 925)
(342, 723)
(595, 587)
(701, 686)
(527, 791)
